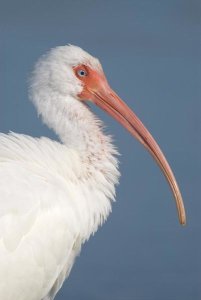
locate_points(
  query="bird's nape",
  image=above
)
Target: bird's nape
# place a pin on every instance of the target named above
(97, 89)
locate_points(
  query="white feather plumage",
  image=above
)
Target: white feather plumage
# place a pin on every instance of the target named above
(53, 195)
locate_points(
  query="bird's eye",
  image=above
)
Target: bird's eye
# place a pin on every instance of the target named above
(81, 73)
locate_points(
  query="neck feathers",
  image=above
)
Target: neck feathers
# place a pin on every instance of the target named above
(77, 128)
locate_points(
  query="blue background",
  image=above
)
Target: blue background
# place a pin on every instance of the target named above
(150, 51)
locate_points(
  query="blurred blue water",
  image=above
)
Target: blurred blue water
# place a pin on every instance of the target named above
(150, 52)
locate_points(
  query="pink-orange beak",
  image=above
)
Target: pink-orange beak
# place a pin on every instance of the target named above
(97, 89)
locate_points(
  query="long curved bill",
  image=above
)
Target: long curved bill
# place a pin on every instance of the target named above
(103, 96)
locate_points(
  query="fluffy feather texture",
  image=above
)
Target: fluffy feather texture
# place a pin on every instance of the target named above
(53, 195)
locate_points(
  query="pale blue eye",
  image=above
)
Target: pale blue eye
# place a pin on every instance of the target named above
(82, 73)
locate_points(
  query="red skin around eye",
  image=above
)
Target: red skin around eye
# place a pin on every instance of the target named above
(91, 82)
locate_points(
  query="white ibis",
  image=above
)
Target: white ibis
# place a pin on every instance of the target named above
(54, 195)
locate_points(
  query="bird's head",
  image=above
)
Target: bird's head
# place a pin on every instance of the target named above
(70, 71)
